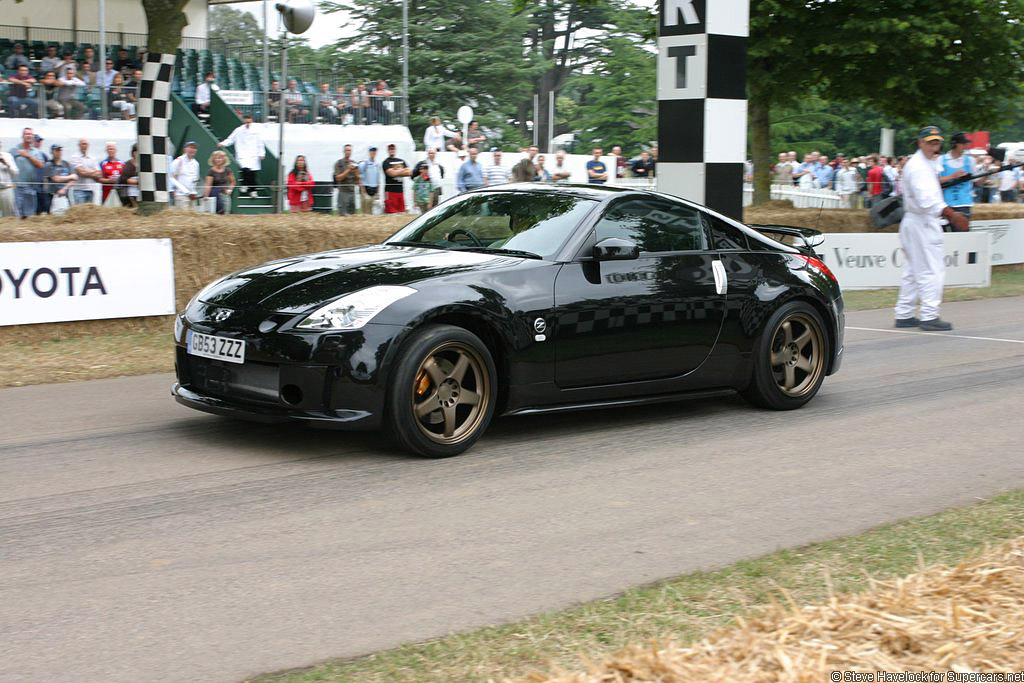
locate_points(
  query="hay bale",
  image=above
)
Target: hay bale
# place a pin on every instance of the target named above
(206, 246)
(854, 220)
(967, 618)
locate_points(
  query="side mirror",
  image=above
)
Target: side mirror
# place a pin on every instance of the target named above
(616, 249)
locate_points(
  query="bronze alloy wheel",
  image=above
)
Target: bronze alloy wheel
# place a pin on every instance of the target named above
(451, 393)
(797, 354)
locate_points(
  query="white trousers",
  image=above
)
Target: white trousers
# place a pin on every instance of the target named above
(924, 266)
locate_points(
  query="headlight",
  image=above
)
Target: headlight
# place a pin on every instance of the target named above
(352, 311)
(179, 327)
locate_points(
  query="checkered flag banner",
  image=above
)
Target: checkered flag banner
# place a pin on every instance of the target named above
(702, 101)
(153, 115)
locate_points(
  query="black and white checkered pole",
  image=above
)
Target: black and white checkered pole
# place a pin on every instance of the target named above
(153, 116)
(702, 101)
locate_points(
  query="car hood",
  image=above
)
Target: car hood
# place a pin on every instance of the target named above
(306, 282)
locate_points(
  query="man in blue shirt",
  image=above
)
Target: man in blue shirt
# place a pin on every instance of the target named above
(29, 160)
(823, 173)
(369, 170)
(470, 175)
(956, 164)
(597, 172)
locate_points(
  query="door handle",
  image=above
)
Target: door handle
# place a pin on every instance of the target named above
(721, 279)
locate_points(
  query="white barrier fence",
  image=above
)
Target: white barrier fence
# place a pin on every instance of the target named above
(802, 198)
(875, 260)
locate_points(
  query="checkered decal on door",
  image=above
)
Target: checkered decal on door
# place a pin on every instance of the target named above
(576, 323)
(153, 115)
(702, 106)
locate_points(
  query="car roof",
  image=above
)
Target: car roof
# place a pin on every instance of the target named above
(598, 192)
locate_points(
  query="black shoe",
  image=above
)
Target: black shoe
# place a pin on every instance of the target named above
(907, 322)
(935, 325)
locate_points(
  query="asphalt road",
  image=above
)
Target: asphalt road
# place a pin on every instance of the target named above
(141, 541)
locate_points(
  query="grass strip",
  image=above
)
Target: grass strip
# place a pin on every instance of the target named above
(151, 349)
(1004, 283)
(686, 608)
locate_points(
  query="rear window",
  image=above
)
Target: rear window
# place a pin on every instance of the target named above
(725, 236)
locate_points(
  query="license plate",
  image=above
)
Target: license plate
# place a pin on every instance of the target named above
(219, 348)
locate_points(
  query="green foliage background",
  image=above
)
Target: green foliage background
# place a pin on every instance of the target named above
(829, 75)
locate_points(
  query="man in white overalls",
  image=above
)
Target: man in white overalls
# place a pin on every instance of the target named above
(924, 267)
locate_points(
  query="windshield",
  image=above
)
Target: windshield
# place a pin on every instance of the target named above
(535, 222)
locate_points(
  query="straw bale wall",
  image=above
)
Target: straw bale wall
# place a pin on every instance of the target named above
(206, 246)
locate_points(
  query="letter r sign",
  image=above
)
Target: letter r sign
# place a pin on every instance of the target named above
(682, 17)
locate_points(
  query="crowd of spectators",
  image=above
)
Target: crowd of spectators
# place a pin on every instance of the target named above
(335, 105)
(58, 86)
(37, 179)
(865, 180)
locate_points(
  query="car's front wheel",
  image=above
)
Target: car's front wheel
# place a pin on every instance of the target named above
(442, 392)
(789, 358)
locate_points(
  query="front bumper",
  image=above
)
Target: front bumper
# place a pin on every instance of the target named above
(339, 419)
(331, 380)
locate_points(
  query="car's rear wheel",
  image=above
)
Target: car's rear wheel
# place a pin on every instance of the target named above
(442, 393)
(789, 358)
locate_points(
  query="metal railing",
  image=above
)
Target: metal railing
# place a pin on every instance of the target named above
(72, 102)
(332, 109)
(27, 34)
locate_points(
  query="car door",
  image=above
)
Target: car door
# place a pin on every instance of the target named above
(654, 317)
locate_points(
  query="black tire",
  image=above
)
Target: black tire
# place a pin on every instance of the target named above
(787, 366)
(428, 374)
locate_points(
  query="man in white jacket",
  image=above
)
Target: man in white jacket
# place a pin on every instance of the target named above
(924, 268)
(435, 134)
(249, 151)
(184, 176)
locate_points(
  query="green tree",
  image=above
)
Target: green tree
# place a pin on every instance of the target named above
(912, 60)
(565, 37)
(616, 98)
(231, 30)
(459, 53)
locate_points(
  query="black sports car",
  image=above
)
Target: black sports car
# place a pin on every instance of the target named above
(515, 300)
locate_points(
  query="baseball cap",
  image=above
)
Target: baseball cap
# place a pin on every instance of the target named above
(191, 142)
(373, 149)
(38, 138)
(930, 133)
(392, 145)
(53, 147)
(960, 139)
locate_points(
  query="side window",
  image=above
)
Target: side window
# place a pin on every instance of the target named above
(725, 236)
(653, 224)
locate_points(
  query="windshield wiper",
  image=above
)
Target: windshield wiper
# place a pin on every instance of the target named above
(501, 250)
(425, 245)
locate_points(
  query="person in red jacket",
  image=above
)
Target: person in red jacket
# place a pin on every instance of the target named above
(300, 186)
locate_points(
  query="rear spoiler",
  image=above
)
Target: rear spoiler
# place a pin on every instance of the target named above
(804, 239)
